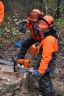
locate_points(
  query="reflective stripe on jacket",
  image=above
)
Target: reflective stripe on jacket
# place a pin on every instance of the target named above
(1, 12)
(49, 46)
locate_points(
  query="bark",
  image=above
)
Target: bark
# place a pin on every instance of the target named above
(57, 15)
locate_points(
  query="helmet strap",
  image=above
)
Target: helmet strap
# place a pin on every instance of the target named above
(41, 18)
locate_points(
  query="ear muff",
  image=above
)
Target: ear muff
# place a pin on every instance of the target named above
(49, 20)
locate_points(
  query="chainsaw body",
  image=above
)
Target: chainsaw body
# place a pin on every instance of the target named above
(24, 64)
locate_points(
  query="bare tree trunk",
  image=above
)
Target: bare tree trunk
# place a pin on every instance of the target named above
(57, 15)
(42, 5)
(46, 6)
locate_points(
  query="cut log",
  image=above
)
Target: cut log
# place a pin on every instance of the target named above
(12, 83)
(11, 77)
(6, 68)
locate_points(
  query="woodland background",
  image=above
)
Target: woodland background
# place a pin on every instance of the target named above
(15, 11)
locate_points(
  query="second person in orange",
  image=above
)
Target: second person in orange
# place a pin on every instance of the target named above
(1, 12)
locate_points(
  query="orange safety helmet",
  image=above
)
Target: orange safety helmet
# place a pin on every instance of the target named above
(46, 22)
(34, 14)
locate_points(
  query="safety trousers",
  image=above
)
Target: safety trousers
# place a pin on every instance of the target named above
(45, 85)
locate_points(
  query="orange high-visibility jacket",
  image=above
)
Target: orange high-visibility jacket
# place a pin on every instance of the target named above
(1, 12)
(49, 46)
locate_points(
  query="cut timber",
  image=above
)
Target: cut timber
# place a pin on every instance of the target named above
(11, 83)
(6, 68)
(11, 77)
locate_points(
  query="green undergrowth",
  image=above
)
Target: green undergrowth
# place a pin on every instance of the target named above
(9, 30)
(60, 93)
(60, 26)
(60, 21)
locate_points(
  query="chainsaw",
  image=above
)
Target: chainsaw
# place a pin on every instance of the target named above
(25, 64)
(22, 65)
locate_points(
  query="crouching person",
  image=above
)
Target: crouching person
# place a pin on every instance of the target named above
(46, 56)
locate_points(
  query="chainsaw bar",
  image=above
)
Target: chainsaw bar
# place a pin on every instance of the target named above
(5, 62)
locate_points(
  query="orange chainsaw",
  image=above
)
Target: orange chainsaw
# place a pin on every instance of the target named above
(24, 64)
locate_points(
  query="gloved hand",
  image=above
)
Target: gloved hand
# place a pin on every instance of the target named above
(19, 43)
(47, 70)
(36, 74)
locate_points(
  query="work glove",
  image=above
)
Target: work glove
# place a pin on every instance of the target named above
(47, 70)
(19, 43)
(36, 74)
(22, 27)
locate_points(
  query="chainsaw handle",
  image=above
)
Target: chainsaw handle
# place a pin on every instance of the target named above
(14, 67)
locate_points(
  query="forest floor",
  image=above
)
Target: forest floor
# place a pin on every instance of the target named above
(9, 35)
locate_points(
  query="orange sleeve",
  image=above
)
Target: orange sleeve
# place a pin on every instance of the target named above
(1, 12)
(48, 49)
(28, 25)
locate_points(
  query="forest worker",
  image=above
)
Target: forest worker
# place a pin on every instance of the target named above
(42, 30)
(46, 56)
(1, 12)
(31, 23)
